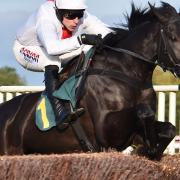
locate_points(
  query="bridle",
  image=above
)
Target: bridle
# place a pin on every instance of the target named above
(164, 48)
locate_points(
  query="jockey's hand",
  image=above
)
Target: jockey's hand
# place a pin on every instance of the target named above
(91, 39)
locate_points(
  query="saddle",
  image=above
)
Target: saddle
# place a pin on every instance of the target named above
(71, 90)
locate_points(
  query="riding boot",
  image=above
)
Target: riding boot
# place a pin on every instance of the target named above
(63, 114)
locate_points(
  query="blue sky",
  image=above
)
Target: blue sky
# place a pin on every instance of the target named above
(13, 13)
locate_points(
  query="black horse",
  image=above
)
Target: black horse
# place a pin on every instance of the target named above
(119, 98)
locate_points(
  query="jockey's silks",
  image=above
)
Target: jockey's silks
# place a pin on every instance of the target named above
(47, 30)
(66, 33)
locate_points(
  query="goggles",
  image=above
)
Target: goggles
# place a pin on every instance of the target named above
(73, 15)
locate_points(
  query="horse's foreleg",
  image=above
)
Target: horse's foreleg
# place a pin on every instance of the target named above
(146, 128)
(156, 135)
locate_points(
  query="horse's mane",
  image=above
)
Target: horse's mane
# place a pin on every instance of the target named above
(136, 18)
(139, 16)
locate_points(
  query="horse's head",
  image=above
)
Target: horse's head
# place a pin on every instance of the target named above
(169, 21)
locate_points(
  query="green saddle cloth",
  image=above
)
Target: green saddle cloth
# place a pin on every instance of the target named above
(45, 118)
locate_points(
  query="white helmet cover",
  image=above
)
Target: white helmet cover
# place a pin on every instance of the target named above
(71, 4)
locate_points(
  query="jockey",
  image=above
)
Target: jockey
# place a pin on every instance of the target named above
(52, 34)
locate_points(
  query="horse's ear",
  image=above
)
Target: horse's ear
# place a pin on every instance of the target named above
(151, 6)
(163, 13)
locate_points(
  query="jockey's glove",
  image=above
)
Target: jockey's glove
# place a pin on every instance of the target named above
(90, 39)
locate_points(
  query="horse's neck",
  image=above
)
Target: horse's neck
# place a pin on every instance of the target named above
(144, 40)
(148, 47)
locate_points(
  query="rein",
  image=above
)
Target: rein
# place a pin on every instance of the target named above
(113, 73)
(163, 48)
(131, 53)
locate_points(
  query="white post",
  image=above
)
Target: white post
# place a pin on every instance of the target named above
(9, 96)
(17, 94)
(172, 119)
(172, 108)
(161, 106)
(1, 97)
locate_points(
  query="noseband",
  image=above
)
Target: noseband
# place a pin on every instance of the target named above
(164, 48)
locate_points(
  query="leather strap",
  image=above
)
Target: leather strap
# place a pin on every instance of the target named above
(82, 138)
(131, 53)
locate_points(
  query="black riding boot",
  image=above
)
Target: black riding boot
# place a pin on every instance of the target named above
(63, 115)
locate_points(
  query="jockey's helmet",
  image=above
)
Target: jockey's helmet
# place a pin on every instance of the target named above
(71, 4)
(69, 9)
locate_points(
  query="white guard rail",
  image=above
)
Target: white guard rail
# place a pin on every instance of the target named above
(8, 92)
(172, 107)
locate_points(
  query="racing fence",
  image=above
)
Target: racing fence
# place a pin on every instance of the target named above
(167, 100)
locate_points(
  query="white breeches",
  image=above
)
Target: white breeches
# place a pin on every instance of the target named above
(35, 58)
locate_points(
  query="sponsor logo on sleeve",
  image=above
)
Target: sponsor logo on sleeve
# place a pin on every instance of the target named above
(29, 55)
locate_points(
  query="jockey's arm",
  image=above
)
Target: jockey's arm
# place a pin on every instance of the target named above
(50, 40)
